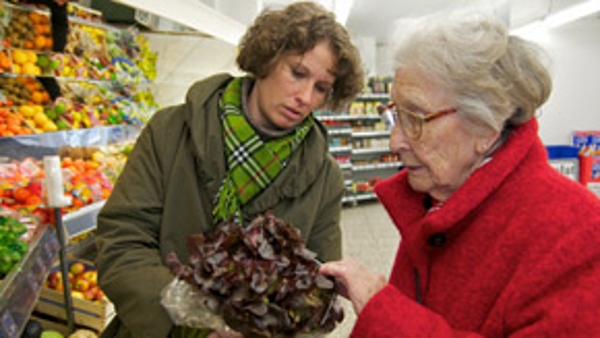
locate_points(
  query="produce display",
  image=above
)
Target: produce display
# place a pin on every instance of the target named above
(100, 78)
(89, 174)
(100, 74)
(260, 279)
(12, 246)
(83, 282)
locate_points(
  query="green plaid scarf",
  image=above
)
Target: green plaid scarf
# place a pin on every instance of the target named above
(252, 165)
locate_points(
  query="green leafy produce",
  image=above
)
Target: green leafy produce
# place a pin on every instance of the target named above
(261, 279)
(12, 247)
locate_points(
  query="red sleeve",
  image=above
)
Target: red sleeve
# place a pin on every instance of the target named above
(391, 314)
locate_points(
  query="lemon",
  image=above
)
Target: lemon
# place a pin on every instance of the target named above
(27, 111)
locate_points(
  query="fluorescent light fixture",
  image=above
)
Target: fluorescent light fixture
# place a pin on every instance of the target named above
(540, 27)
(572, 13)
(193, 14)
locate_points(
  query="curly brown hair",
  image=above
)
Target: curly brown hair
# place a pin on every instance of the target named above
(298, 28)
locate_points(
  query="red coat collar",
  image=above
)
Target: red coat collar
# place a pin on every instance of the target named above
(406, 208)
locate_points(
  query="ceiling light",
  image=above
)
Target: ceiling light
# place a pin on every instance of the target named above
(558, 19)
(193, 14)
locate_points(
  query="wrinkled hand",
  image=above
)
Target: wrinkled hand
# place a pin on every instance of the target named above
(225, 334)
(358, 283)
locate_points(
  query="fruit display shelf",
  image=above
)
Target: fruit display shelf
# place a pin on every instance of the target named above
(82, 220)
(39, 145)
(19, 291)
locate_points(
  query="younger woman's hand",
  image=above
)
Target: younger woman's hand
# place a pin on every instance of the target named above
(358, 283)
(225, 334)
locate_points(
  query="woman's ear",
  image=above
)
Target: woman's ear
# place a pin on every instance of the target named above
(486, 143)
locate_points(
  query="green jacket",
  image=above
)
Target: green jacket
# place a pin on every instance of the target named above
(166, 192)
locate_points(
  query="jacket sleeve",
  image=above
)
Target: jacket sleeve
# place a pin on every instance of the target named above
(129, 262)
(558, 295)
(391, 314)
(326, 237)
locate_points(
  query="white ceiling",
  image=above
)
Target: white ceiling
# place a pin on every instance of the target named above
(228, 19)
(375, 18)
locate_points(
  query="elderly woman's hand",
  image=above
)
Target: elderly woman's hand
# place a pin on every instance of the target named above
(358, 283)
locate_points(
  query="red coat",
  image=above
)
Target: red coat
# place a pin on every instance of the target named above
(513, 252)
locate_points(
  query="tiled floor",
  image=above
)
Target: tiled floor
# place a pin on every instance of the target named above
(369, 237)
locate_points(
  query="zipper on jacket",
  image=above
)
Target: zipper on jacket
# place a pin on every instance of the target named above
(418, 287)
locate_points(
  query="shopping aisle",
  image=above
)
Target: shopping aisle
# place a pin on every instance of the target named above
(370, 237)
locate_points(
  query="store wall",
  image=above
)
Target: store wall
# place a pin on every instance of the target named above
(575, 100)
(185, 59)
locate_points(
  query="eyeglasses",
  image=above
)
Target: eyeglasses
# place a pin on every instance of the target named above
(412, 123)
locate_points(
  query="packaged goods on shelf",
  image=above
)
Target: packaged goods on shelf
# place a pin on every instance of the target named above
(565, 159)
(361, 133)
(588, 143)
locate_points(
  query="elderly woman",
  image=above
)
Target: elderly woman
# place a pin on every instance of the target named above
(495, 242)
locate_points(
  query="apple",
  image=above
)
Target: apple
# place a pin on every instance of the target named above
(91, 276)
(59, 287)
(77, 268)
(54, 279)
(81, 284)
(90, 294)
(99, 295)
(77, 294)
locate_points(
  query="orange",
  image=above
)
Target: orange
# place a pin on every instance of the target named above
(40, 42)
(37, 97)
(5, 62)
(33, 200)
(21, 195)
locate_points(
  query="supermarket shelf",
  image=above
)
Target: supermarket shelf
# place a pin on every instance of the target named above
(365, 134)
(348, 117)
(348, 199)
(365, 197)
(374, 96)
(338, 132)
(82, 220)
(378, 166)
(340, 149)
(40, 145)
(345, 165)
(354, 199)
(363, 151)
(20, 289)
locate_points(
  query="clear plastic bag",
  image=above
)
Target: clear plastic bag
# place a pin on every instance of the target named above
(189, 307)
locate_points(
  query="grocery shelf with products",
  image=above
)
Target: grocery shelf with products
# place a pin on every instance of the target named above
(359, 141)
(85, 100)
